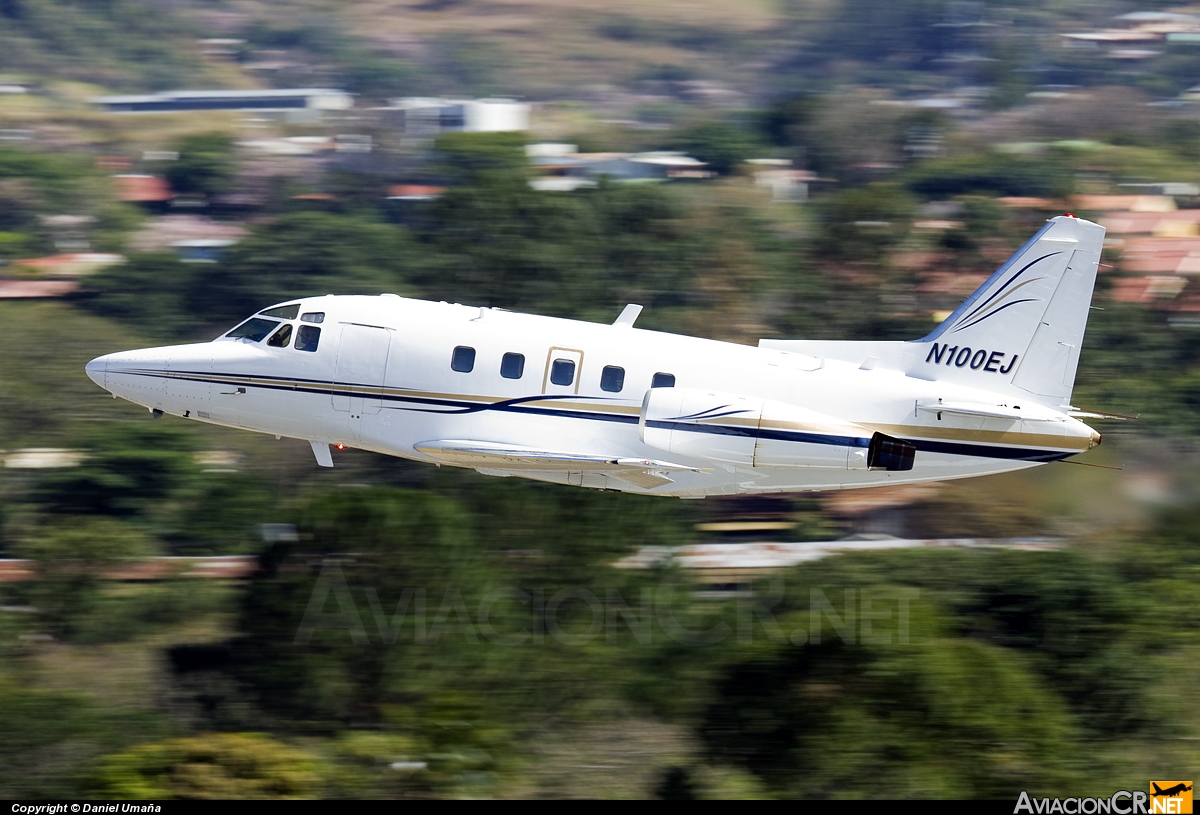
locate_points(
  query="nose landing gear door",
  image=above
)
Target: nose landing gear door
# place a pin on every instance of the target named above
(358, 374)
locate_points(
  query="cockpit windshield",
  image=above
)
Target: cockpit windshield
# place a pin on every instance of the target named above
(253, 329)
(280, 329)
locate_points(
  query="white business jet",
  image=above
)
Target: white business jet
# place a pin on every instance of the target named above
(620, 408)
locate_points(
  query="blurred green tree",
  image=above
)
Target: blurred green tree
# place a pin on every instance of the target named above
(51, 738)
(71, 562)
(301, 254)
(864, 223)
(940, 717)
(722, 145)
(468, 157)
(130, 469)
(216, 765)
(149, 291)
(991, 173)
(205, 165)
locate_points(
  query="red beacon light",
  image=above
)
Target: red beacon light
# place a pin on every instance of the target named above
(1070, 215)
(340, 446)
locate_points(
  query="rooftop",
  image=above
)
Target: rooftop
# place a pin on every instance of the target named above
(159, 234)
(167, 96)
(726, 562)
(142, 189)
(35, 289)
(71, 264)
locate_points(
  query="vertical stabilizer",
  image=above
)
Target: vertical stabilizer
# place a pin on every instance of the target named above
(1021, 331)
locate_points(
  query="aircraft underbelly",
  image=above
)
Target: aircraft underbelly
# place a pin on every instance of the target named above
(771, 481)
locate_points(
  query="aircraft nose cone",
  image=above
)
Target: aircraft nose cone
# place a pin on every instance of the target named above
(97, 371)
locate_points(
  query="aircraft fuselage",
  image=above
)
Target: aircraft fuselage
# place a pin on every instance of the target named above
(452, 384)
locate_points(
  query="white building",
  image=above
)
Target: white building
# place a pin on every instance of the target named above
(562, 168)
(264, 100)
(424, 116)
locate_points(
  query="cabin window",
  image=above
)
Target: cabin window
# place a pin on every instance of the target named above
(463, 359)
(612, 379)
(312, 317)
(662, 380)
(307, 338)
(283, 312)
(512, 366)
(562, 371)
(282, 337)
(253, 329)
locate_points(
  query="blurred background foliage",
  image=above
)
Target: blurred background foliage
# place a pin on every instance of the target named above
(1060, 672)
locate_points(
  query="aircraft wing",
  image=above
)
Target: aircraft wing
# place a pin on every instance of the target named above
(505, 459)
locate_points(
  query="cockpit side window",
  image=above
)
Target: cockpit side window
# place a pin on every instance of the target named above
(307, 338)
(282, 337)
(312, 317)
(283, 312)
(253, 329)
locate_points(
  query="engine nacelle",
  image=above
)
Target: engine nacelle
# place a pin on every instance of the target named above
(752, 432)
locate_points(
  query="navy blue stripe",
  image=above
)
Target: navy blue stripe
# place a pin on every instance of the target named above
(952, 448)
(754, 432)
(1010, 281)
(987, 451)
(994, 313)
(450, 406)
(349, 389)
(518, 406)
(712, 413)
(815, 438)
(570, 414)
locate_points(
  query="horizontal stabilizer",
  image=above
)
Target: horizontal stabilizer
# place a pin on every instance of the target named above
(1097, 414)
(973, 409)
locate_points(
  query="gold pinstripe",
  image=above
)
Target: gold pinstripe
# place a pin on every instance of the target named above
(1005, 437)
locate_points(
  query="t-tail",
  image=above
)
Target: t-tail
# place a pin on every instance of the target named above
(1021, 331)
(1019, 334)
